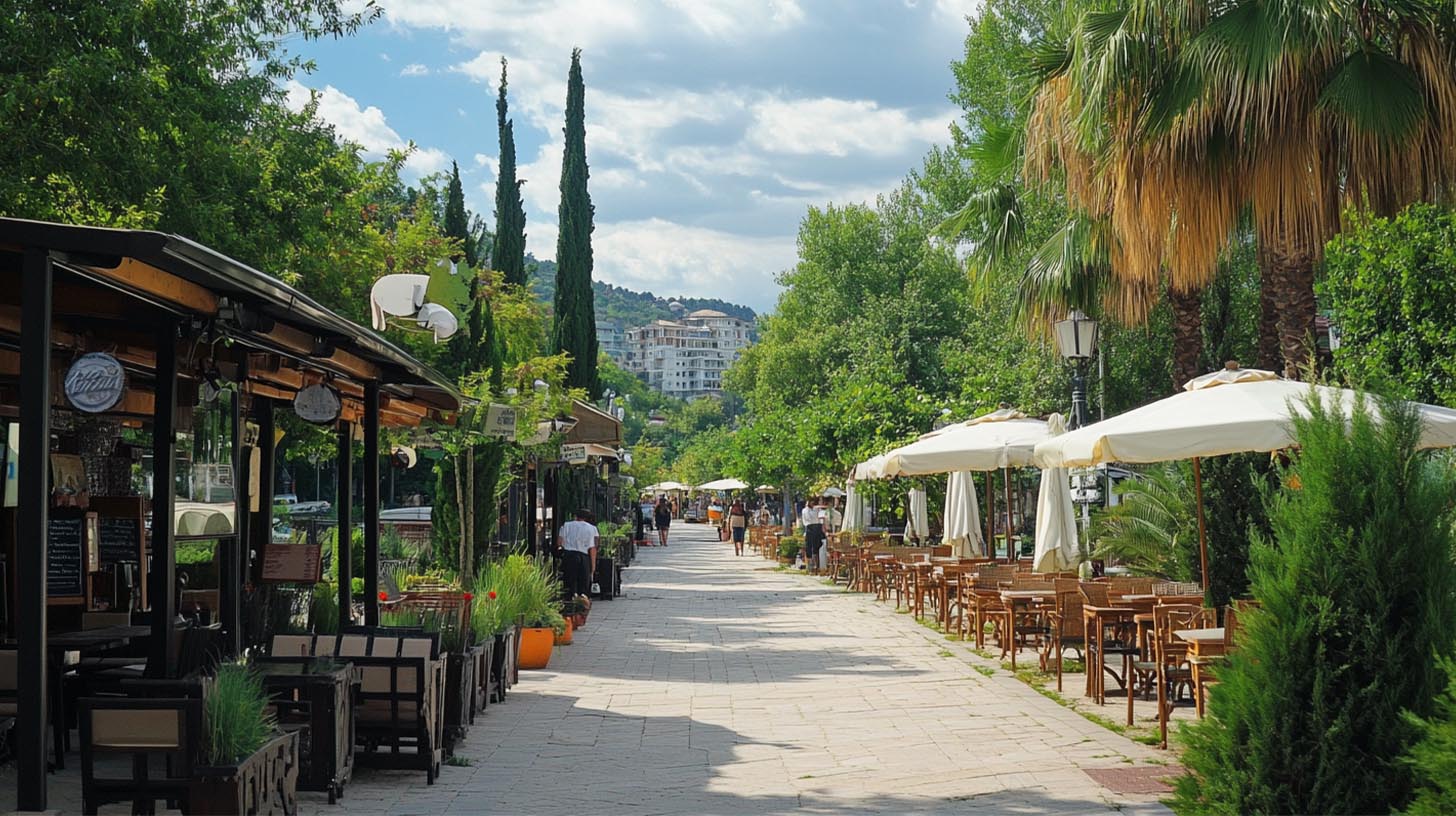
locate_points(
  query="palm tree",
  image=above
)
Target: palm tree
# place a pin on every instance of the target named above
(1173, 117)
(1153, 528)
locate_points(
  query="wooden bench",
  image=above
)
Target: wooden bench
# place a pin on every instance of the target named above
(399, 719)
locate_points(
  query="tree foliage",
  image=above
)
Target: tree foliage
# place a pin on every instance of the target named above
(508, 255)
(574, 329)
(1355, 585)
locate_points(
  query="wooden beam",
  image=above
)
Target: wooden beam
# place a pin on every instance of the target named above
(301, 342)
(164, 286)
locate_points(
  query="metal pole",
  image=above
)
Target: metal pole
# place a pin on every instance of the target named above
(32, 523)
(261, 533)
(230, 558)
(371, 503)
(164, 486)
(1011, 554)
(1202, 533)
(344, 532)
(990, 515)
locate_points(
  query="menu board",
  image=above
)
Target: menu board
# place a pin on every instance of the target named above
(65, 557)
(292, 563)
(120, 539)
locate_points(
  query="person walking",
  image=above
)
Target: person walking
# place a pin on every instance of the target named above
(579, 539)
(738, 524)
(661, 518)
(813, 523)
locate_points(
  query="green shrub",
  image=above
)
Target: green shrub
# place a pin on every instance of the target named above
(323, 609)
(1433, 759)
(1355, 583)
(236, 716)
(790, 546)
(526, 592)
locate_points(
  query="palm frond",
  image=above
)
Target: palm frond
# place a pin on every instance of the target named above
(1151, 529)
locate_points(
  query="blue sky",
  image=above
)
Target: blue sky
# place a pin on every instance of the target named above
(711, 124)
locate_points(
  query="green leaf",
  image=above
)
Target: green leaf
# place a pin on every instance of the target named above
(1377, 95)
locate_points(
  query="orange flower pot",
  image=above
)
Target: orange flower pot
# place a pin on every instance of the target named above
(534, 651)
(565, 637)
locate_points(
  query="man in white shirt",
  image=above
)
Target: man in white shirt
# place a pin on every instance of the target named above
(579, 539)
(813, 522)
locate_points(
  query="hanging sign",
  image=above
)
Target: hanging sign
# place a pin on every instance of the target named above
(318, 404)
(573, 454)
(95, 383)
(500, 420)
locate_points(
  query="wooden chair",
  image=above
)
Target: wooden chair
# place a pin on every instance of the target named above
(1106, 633)
(1170, 668)
(1181, 589)
(1066, 625)
(144, 729)
(985, 599)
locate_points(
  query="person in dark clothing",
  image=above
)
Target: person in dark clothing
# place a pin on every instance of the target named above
(738, 524)
(579, 540)
(662, 517)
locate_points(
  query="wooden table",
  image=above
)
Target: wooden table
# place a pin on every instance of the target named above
(1095, 619)
(85, 640)
(325, 688)
(1025, 598)
(1203, 644)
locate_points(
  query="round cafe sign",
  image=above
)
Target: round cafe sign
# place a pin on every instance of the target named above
(318, 404)
(95, 383)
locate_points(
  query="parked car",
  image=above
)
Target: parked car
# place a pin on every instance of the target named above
(692, 515)
(405, 514)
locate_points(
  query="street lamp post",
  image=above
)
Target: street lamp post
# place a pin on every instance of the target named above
(1077, 340)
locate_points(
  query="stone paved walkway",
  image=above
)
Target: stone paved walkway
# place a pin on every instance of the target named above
(716, 685)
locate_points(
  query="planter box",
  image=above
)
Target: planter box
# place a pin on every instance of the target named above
(264, 783)
(503, 664)
(459, 696)
(606, 578)
(483, 654)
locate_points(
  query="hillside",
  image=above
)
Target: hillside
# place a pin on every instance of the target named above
(624, 305)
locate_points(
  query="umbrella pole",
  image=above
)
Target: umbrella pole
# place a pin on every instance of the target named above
(1011, 555)
(990, 542)
(1202, 532)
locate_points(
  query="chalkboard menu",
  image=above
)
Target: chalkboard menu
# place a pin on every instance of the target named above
(120, 540)
(65, 557)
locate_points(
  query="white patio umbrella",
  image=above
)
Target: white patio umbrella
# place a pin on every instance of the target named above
(854, 511)
(766, 489)
(1236, 410)
(871, 468)
(833, 493)
(918, 524)
(963, 514)
(1056, 524)
(667, 487)
(724, 484)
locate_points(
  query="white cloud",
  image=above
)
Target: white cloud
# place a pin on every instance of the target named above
(958, 10)
(839, 127)
(384, 56)
(673, 258)
(733, 19)
(365, 126)
(414, 69)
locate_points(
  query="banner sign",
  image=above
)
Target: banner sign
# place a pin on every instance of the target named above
(318, 404)
(500, 420)
(95, 383)
(573, 454)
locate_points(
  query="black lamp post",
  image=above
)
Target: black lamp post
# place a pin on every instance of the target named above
(1077, 340)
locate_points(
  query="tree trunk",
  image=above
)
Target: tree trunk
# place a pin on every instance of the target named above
(1269, 358)
(467, 524)
(460, 508)
(1187, 308)
(1291, 267)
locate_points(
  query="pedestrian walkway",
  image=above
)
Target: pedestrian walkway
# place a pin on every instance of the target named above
(718, 685)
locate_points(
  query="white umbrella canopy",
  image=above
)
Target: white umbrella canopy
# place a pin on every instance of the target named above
(667, 487)
(871, 468)
(918, 523)
(766, 489)
(855, 515)
(1001, 439)
(724, 484)
(963, 515)
(1231, 411)
(1056, 523)
(832, 492)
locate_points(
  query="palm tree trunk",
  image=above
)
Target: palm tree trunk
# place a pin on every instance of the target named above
(1290, 280)
(1269, 358)
(1187, 308)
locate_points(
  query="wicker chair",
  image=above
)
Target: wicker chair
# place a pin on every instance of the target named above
(1067, 630)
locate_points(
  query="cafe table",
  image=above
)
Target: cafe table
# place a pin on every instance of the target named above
(1203, 646)
(1023, 598)
(58, 645)
(320, 690)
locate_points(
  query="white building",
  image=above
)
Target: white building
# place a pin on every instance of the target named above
(612, 340)
(687, 358)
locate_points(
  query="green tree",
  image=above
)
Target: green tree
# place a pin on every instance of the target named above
(508, 254)
(1388, 283)
(574, 330)
(1153, 529)
(1434, 756)
(1358, 600)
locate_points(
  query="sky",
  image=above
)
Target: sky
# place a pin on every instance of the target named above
(711, 125)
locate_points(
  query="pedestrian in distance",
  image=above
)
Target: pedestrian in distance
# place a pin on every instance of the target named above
(812, 520)
(662, 517)
(579, 539)
(738, 524)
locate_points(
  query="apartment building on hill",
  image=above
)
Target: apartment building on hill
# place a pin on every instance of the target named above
(686, 358)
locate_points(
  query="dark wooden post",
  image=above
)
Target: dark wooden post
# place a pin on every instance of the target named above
(230, 558)
(371, 503)
(34, 518)
(164, 484)
(260, 532)
(345, 530)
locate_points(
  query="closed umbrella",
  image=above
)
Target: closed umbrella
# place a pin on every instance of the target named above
(1056, 524)
(854, 511)
(963, 514)
(918, 524)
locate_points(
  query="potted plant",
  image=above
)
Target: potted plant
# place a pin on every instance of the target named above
(789, 548)
(564, 637)
(249, 767)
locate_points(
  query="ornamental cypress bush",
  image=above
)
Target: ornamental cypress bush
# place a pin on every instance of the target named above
(1355, 582)
(1434, 757)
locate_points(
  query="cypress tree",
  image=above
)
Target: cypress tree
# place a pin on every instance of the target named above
(508, 254)
(575, 328)
(1356, 584)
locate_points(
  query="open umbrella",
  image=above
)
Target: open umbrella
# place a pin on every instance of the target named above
(1236, 410)
(963, 514)
(667, 487)
(766, 490)
(724, 484)
(1056, 524)
(918, 524)
(832, 492)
